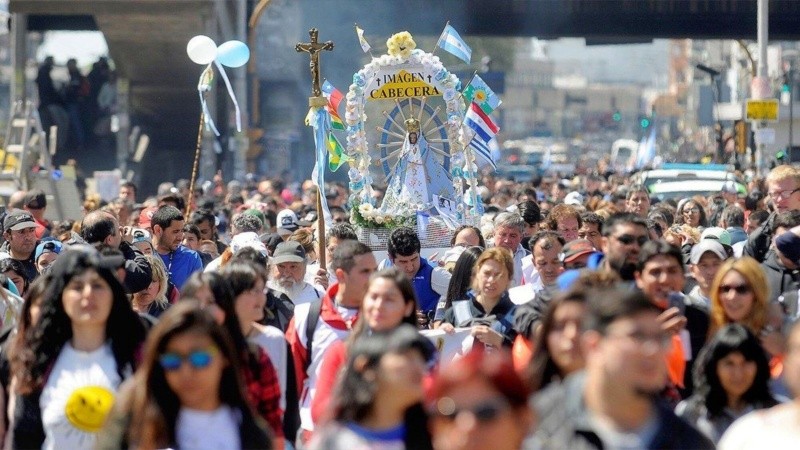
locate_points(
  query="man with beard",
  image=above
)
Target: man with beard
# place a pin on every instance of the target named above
(289, 270)
(181, 262)
(612, 403)
(623, 237)
(19, 231)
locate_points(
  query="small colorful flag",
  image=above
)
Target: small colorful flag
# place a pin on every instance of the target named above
(481, 123)
(334, 97)
(452, 43)
(479, 92)
(362, 40)
(482, 151)
(336, 156)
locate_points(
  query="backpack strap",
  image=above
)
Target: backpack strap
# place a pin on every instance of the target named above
(314, 311)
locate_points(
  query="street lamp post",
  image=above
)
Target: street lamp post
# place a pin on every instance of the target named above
(714, 74)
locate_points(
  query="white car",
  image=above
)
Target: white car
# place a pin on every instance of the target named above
(687, 180)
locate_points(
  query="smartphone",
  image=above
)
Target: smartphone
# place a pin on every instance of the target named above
(675, 299)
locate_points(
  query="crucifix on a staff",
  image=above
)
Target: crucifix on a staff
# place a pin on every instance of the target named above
(316, 100)
(314, 48)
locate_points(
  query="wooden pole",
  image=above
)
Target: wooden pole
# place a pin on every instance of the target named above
(194, 166)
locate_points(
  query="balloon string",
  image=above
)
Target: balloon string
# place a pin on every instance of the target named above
(204, 86)
(231, 95)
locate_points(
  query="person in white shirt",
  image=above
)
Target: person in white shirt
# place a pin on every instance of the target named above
(68, 368)
(288, 264)
(188, 392)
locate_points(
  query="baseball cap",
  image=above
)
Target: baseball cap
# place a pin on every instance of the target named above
(289, 251)
(707, 245)
(287, 222)
(717, 233)
(248, 239)
(51, 246)
(729, 187)
(574, 198)
(146, 216)
(575, 249)
(788, 244)
(139, 235)
(18, 220)
(35, 199)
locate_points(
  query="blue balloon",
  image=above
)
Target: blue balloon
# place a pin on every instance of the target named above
(233, 54)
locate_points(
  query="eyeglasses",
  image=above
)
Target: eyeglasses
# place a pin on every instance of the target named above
(640, 337)
(257, 291)
(198, 359)
(783, 195)
(692, 210)
(483, 412)
(740, 289)
(627, 239)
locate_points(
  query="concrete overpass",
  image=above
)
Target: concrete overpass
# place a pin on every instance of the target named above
(147, 41)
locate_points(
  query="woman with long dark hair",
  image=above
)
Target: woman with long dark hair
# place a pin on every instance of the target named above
(208, 288)
(389, 302)
(459, 283)
(378, 399)
(557, 352)
(248, 286)
(67, 368)
(188, 392)
(731, 379)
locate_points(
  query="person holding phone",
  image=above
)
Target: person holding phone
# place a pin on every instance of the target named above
(660, 275)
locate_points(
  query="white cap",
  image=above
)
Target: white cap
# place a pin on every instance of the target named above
(574, 198)
(287, 222)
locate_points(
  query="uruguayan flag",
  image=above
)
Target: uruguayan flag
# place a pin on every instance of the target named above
(483, 153)
(451, 42)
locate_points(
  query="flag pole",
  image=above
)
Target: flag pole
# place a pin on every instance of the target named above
(440, 39)
(359, 41)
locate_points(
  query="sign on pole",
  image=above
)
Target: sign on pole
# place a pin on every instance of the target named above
(762, 110)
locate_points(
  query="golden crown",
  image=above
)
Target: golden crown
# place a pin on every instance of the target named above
(412, 124)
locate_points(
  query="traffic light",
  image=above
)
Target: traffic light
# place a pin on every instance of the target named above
(740, 127)
(617, 117)
(644, 121)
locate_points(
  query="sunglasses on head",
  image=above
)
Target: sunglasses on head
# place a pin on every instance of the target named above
(627, 239)
(740, 289)
(198, 359)
(483, 412)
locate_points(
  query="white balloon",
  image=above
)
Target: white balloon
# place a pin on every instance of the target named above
(201, 49)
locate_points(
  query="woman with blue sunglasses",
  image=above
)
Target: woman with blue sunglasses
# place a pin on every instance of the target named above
(188, 392)
(67, 368)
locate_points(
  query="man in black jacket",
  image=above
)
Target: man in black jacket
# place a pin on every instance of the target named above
(612, 403)
(782, 273)
(783, 191)
(100, 226)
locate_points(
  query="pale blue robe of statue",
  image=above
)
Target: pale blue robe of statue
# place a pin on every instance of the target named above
(417, 177)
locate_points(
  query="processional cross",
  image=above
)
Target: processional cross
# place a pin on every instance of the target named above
(314, 48)
(316, 100)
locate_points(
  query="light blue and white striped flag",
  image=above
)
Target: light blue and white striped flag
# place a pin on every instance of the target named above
(483, 153)
(451, 42)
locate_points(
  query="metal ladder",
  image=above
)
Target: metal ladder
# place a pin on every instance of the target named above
(27, 163)
(25, 146)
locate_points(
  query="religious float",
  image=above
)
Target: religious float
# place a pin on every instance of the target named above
(428, 140)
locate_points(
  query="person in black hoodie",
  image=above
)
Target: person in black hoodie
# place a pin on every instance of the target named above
(782, 274)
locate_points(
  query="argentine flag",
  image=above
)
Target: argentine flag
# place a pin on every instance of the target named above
(451, 42)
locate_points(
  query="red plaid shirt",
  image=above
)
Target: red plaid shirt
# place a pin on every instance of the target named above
(265, 393)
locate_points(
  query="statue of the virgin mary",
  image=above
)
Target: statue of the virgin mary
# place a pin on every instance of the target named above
(418, 176)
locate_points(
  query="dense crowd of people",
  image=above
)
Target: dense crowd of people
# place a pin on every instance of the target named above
(587, 315)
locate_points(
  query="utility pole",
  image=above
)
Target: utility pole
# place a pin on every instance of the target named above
(760, 88)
